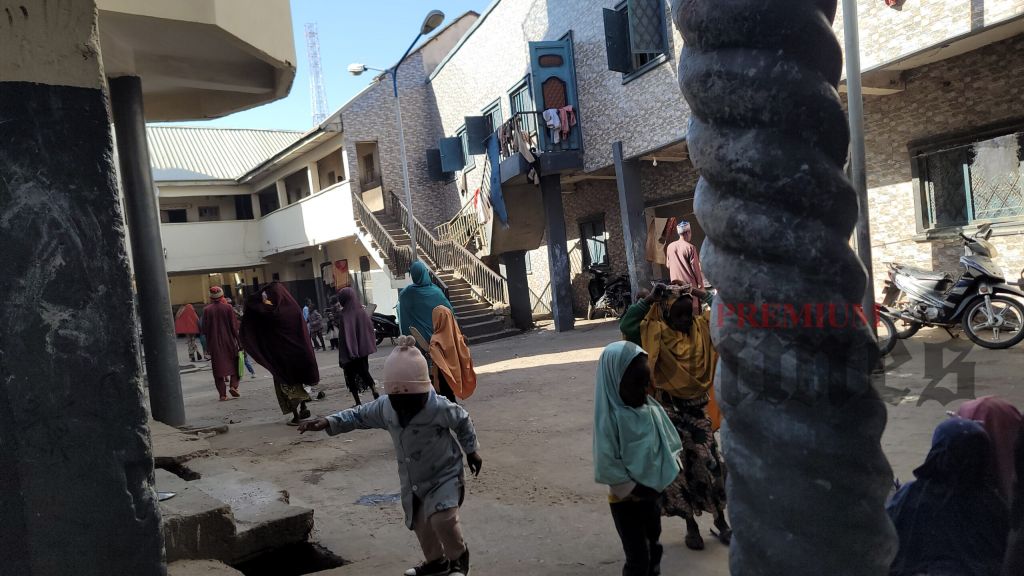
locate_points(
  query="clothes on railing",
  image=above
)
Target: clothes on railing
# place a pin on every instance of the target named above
(567, 119)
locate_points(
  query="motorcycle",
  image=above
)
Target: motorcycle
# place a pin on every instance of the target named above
(607, 295)
(979, 300)
(385, 326)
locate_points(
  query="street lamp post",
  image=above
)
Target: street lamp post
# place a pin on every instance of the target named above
(433, 19)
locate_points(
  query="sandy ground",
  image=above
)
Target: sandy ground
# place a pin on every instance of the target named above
(535, 509)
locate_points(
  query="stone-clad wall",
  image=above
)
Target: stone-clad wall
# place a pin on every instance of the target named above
(973, 90)
(888, 33)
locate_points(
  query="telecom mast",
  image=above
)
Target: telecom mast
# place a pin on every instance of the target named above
(317, 94)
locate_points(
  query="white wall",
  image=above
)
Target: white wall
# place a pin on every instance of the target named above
(314, 220)
(224, 245)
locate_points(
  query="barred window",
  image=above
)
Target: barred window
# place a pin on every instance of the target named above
(636, 36)
(982, 179)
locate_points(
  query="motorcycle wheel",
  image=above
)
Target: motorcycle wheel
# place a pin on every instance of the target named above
(620, 309)
(906, 329)
(979, 327)
(886, 334)
(380, 338)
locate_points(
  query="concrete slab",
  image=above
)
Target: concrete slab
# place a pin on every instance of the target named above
(195, 524)
(172, 447)
(200, 568)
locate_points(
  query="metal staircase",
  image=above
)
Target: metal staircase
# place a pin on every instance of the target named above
(477, 293)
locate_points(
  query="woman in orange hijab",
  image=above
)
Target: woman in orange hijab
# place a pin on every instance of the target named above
(453, 366)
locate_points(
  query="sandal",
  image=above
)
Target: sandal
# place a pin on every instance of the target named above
(235, 393)
(224, 398)
(305, 414)
(725, 536)
(294, 422)
(694, 541)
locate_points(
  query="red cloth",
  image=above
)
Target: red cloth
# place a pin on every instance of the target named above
(1003, 423)
(220, 326)
(275, 335)
(684, 266)
(186, 321)
(567, 118)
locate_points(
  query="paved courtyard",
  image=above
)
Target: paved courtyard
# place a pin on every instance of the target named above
(535, 509)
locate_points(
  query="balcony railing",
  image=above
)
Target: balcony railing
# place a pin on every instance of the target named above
(399, 257)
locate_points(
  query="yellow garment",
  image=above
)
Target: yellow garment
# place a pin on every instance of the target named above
(450, 354)
(682, 365)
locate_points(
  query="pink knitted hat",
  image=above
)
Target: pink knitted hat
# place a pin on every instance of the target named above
(405, 370)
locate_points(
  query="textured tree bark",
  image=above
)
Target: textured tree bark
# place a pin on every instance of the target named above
(807, 476)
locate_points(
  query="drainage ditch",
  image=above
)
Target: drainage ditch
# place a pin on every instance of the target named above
(292, 560)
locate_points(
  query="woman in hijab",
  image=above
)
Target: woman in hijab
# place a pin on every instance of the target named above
(1002, 422)
(1014, 564)
(275, 335)
(356, 341)
(416, 303)
(951, 520)
(186, 323)
(682, 360)
(636, 453)
(454, 376)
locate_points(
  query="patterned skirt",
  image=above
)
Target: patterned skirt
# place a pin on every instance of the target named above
(700, 486)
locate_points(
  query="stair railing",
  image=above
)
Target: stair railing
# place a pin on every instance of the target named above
(464, 228)
(399, 257)
(447, 255)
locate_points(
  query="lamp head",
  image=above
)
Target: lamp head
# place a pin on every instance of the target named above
(434, 19)
(356, 69)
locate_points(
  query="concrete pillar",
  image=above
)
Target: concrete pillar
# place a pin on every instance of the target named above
(257, 212)
(514, 264)
(634, 225)
(159, 340)
(319, 257)
(76, 470)
(558, 254)
(808, 479)
(282, 193)
(313, 174)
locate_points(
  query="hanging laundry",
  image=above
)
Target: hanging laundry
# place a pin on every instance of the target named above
(553, 119)
(668, 236)
(566, 120)
(482, 206)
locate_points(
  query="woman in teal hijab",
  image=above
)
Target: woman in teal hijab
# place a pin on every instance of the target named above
(416, 302)
(636, 450)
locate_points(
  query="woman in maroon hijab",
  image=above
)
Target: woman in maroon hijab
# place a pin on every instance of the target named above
(356, 341)
(275, 335)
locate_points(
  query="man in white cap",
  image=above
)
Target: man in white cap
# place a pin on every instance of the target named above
(684, 264)
(429, 456)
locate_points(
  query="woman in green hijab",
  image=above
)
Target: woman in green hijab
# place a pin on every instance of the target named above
(416, 302)
(636, 450)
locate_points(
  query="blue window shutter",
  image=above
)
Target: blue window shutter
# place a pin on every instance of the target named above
(452, 159)
(434, 170)
(553, 73)
(477, 131)
(616, 41)
(646, 26)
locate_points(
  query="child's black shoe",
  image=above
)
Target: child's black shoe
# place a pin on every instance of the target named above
(460, 567)
(439, 567)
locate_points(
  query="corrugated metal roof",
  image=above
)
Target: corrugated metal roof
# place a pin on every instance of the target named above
(190, 153)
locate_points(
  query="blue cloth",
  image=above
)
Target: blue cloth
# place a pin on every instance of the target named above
(630, 444)
(951, 519)
(429, 448)
(416, 303)
(497, 199)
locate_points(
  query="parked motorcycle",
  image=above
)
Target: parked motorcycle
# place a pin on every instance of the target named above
(607, 295)
(385, 326)
(979, 300)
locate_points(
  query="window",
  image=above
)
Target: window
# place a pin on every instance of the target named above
(243, 207)
(636, 37)
(520, 99)
(173, 216)
(369, 169)
(470, 160)
(268, 200)
(981, 179)
(209, 213)
(594, 240)
(493, 115)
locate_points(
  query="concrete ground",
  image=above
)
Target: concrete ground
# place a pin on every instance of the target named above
(535, 508)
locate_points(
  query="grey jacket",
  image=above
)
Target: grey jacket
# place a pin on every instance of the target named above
(429, 457)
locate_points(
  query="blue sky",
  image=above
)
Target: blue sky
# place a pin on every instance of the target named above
(374, 32)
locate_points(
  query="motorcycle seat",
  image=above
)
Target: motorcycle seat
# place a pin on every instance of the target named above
(922, 274)
(386, 317)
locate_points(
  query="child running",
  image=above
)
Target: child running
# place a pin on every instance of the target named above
(429, 456)
(636, 452)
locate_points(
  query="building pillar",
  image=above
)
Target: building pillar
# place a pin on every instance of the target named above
(76, 470)
(313, 174)
(802, 422)
(319, 257)
(282, 193)
(257, 211)
(634, 225)
(518, 289)
(159, 340)
(558, 253)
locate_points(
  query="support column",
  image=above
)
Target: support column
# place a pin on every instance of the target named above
(282, 194)
(802, 422)
(76, 470)
(518, 289)
(320, 257)
(313, 175)
(634, 225)
(159, 341)
(558, 254)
